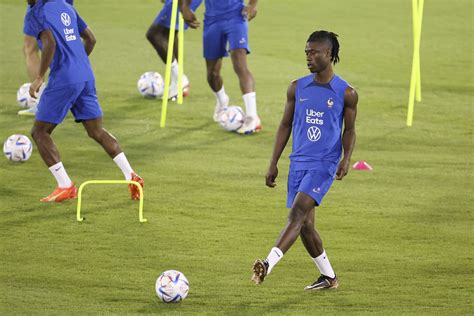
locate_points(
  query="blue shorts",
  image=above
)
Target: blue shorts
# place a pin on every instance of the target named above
(223, 36)
(80, 98)
(315, 183)
(164, 17)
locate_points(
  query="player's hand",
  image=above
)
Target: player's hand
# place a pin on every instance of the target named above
(272, 174)
(35, 86)
(342, 169)
(190, 18)
(249, 11)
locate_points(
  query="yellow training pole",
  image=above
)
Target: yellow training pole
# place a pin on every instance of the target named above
(169, 60)
(415, 82)
(81, 187)
(180, 57)
(418, 73)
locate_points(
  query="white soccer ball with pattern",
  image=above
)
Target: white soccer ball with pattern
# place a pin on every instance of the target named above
(18, 148)
(23, 96)
(231, 118)
(151, 84)
(172, 286)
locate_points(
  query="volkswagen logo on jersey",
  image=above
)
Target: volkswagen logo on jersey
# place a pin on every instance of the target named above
(66, 19)
(314, 133)
(330, 102)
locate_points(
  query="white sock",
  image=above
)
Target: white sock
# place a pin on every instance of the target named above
(274, 256)
(250, 101)
(222, 97)
(124, 165)
(323, 264)
(59, 172)
(174, 70)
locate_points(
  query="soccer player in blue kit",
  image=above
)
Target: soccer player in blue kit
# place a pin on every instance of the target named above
(317, 105)
(71, 86)
(226, 28)
(158, 35)
(31, 49)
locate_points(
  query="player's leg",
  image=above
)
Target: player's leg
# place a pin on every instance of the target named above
(302, 206)
(216, 83)
(158, 35)
(214, 46)
(314, 245)
(52, 109)
(87, 110)
(237, 35)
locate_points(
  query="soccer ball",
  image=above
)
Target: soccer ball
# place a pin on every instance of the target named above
(231, 118)
(151, 84)
(17, 148)
(23, 96)
(172, 286)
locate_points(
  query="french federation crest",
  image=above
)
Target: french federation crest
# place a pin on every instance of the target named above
(330, 103)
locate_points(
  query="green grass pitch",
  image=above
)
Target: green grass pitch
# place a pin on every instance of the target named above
(400, 237)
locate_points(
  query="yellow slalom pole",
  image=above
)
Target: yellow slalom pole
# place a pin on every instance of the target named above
(180, 57)
(169, 60)
(418, 73)
(415, 82)
(81, 187)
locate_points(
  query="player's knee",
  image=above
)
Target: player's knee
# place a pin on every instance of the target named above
(36, 133)
(150, 35)
(297, 214)
(212, 76)
(95, 133)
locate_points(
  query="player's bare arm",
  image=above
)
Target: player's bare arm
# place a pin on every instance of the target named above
(349, 135)
(32, 57)
(89, 40)
(250, 10)
(282, 135)
(49, 47)
(188, 14)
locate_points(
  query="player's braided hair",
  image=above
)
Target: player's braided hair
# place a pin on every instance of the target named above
(331, 37)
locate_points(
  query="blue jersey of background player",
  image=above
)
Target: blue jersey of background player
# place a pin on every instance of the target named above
(71, 86)
(31, 48)
(226, 30)
(158, 34)
(317, 107)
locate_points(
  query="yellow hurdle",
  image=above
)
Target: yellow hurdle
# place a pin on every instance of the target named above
(79, 196)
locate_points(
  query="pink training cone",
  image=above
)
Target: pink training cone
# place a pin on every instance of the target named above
(362, 165)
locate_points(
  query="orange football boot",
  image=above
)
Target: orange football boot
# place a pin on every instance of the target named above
(61, 194)
(133, 188)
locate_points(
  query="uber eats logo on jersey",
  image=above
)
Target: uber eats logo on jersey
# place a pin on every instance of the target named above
(69, 33)
(316, 118)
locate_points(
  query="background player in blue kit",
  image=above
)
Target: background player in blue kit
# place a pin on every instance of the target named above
(71, 86)
(31, 49)
(316, 107)
(226, 29)
(158, 35)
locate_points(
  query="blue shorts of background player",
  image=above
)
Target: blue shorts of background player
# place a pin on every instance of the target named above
(80, 99)
(315, 182)
(164, 17)
(222, 36)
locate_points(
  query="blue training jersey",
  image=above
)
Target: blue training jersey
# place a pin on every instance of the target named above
(222, 9)
(28, 31)
(70, 63)
(317, 122)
